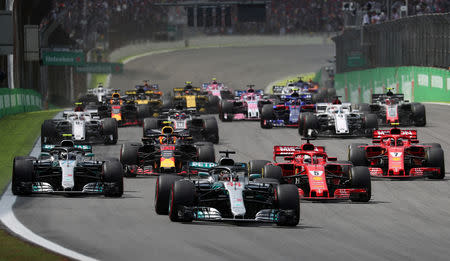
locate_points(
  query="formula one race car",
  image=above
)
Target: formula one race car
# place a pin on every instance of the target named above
(286, 113)
(124, 110)
(96, 96)
(217, 89)
(246, 106)
(317, 176)
(191, 97)
(146, 102)
(395, 153)
(317, 94)
(200, 128)
(393, 108)
(164, 152)
(336, 120)
(81, 126)
(67, 169)
(225, 192)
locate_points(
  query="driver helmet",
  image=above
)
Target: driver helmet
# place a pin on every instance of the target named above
(307, 159)
(224, 175)
(214, 81)
(389, 92)
(295, 92)
(63, 155)
(390, 142)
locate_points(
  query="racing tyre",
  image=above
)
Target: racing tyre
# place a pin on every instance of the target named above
(149, 124)
(143, 111)
(435, 158)
(370, 124)
(162, 192)
(272, 172)
(48, 132)
(22, 177)
(322, 94)
(212, 129)
(166, 102)
(206, 154)
(182, 195)
(311, 123)
(267, 115)
(226, 108)
(257, 166)
(331, 93)
(360, 178)
(357, 155)
(129, 157)
(363, 107)
(418, 114)
(113, 178)
(288, 199)
(110, 128)
(213, 103)
(301, 123)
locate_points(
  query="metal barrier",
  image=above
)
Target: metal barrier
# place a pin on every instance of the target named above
(422, 40)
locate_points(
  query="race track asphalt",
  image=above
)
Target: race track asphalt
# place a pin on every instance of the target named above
(405, 220)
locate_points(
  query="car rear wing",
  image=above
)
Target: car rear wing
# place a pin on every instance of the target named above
(379, 97)
(196, 89)
(410, 134)
(283, 151)
(277, 89)
(130, 92)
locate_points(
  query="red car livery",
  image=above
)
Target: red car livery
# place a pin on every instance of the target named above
(396, 153)
(319, 177)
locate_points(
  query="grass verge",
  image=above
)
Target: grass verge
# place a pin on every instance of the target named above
(17, 136)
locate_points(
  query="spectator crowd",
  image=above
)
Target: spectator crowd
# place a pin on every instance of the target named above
(85, 21)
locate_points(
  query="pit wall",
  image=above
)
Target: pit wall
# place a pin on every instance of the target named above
(14, 101)
(418, 84)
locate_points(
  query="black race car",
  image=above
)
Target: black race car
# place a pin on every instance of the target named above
(164, 152)
(393, 108)
(201, 128)
(67, 169)
(226, 192)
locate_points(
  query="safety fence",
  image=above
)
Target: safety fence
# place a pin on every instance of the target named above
(422, 40)
(14, 101)
(418, 84)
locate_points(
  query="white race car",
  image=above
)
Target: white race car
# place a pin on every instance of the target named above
(338, 120)
(82, 126)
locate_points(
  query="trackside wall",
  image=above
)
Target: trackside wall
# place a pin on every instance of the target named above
(14, 101)
(419, 84)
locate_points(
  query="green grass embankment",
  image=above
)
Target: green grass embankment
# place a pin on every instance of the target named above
(18, 134)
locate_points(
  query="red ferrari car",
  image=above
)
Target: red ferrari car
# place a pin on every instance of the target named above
(317, 176)
(395, 153)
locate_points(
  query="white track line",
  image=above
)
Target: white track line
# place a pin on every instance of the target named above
(8, 218)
